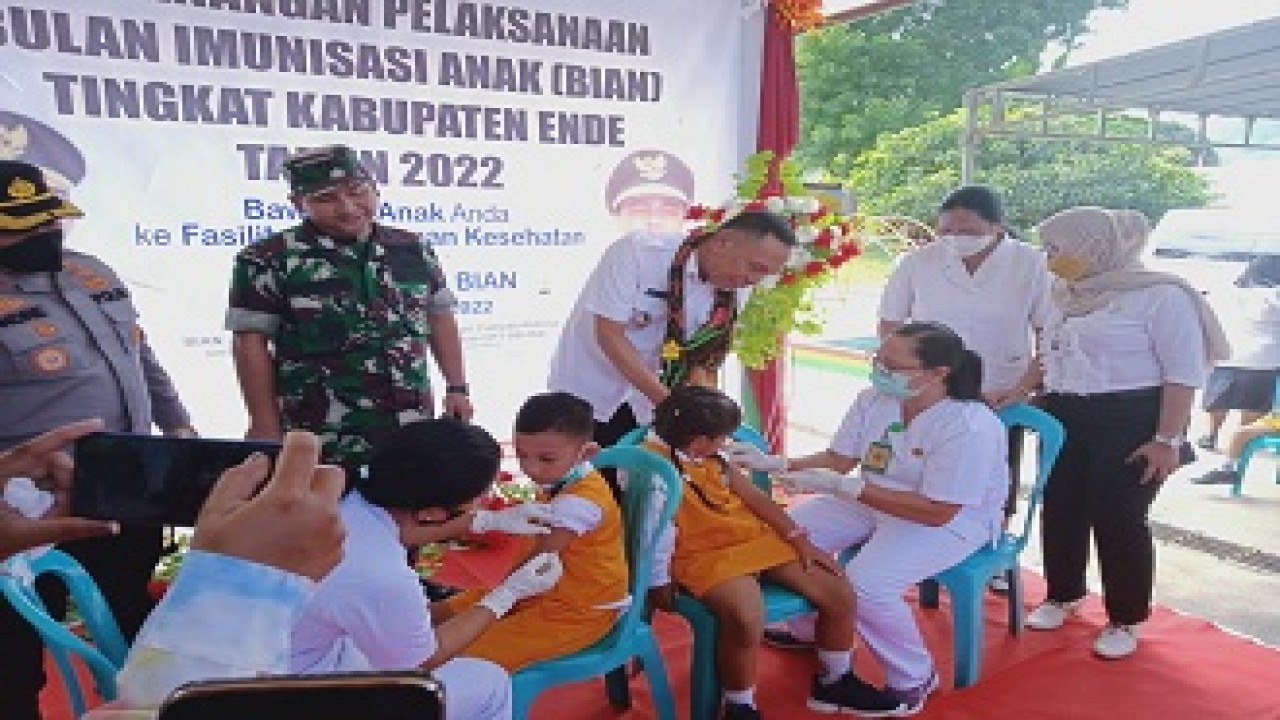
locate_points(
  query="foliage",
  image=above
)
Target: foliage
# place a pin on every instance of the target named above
(908, 172)
(799, 15)
(905, 66)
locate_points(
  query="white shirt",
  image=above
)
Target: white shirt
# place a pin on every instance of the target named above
(1251, 317)
(629, 285)
(954, 452)
(369, 612)
(1143, 338)
(994, 310)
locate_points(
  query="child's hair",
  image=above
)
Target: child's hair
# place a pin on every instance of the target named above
(557, 412)
(692, 411)
(441, 463)
(939, 346)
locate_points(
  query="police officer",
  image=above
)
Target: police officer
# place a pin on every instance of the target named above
(332, 319)
(70, 348)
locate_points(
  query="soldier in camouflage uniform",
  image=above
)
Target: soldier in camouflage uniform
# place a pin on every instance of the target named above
(332, 319)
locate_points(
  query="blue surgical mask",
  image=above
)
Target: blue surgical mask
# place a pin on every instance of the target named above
(893, 384)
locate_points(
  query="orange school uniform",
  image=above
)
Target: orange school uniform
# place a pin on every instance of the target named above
(582, 606)
(717, 535)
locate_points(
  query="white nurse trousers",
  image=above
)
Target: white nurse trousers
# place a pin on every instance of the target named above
(896, 554)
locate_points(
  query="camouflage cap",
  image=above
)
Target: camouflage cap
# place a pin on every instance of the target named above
(313, 171)
(26, 200)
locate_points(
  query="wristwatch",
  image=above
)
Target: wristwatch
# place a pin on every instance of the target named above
(1173, 441)
(461, 389)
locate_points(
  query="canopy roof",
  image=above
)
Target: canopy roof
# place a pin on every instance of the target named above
(1233, 73)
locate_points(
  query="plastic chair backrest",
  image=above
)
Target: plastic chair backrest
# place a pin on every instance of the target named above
(108, 651)
(648, 478)
(1051, 436)
(744, 433)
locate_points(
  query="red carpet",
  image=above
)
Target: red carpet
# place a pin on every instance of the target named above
(1186, 668)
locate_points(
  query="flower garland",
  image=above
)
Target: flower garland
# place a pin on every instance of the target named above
(800, 15)
(827, 241)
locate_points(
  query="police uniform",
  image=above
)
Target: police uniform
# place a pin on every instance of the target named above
(348, 322)
(583, 605)
(70, 349)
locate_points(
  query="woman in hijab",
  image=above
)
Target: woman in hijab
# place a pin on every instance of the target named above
(1123, 352)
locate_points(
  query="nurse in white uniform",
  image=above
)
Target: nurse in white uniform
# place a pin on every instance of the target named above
(930, 481)
(989, 287)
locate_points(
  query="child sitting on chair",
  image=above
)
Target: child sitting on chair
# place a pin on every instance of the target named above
(726, 536)
(553, 444)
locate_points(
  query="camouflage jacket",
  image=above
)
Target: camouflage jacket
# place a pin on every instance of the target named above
(348, 322)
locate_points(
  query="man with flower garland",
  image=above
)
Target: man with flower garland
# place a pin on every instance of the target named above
(658, 311)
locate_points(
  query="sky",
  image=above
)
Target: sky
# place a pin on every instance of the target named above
(1246, 176)
(1147, 23)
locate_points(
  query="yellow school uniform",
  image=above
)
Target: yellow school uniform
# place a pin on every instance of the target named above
(717, 536)
(582, 606)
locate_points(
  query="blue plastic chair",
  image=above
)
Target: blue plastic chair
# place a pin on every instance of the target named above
(104, 657)
(1269, 441)
(631, 637)
(779, 604)
(966, 582)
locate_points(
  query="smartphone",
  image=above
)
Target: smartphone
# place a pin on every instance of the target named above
(150, 479)
(401, 695)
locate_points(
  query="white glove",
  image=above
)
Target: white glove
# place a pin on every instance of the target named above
(822, 480)
(522, 519)
(538, 575)
(744, 454)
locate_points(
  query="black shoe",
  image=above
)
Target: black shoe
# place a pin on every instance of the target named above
(784, 640)
(734, 711)
(436, 592)
(851, 694)
(1216, 477)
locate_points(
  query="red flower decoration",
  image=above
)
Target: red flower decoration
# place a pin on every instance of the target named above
(814, 267)
(716, 215)
(788, 278)
(823, 240)
(720, 317)
(695, 212)
(755, 206)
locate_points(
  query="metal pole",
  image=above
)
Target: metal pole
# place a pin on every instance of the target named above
(969, 141)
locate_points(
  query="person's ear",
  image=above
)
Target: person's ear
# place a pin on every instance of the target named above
(589, 451)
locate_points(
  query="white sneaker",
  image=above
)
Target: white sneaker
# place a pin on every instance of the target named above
(1116, 641)
(1051, 614)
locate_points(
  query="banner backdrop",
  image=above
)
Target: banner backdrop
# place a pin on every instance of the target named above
(518, 139)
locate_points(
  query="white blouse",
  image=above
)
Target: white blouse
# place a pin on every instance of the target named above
(1143, 338)
(953, 452)
(994, 309)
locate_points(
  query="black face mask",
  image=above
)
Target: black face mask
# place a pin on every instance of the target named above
(41, 252)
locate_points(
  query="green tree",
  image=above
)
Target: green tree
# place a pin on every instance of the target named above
(911, 64)
(908, 172)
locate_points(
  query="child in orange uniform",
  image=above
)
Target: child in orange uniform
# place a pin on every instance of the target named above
(727, 536)
(553, 444)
